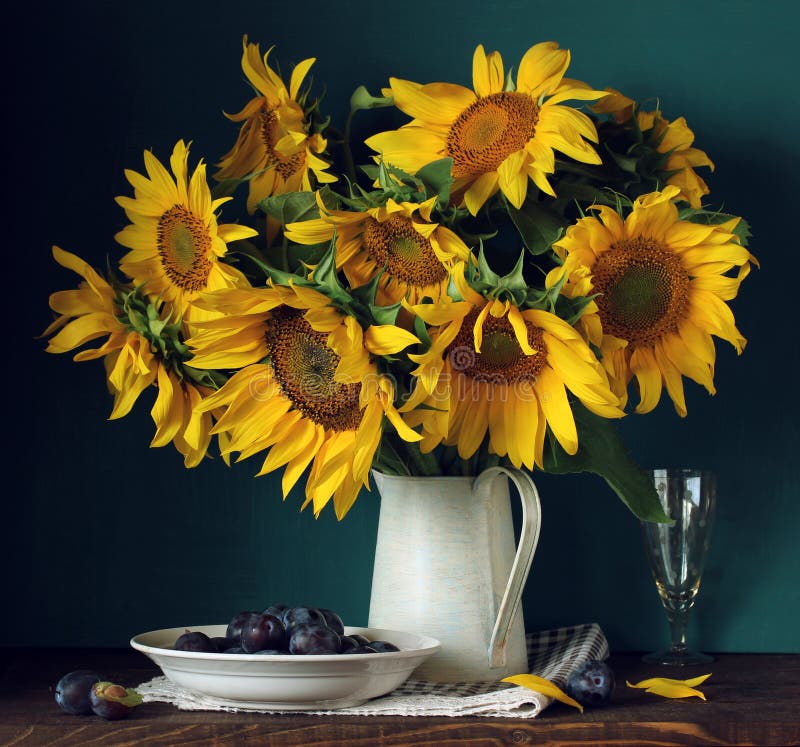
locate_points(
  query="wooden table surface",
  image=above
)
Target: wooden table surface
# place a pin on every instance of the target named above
(752, 700)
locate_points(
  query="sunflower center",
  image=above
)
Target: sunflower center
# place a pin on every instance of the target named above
(286, 166)
(304, 366)
(644, 291)
(501, 360)
(184, 245)
(489, 131)
(407, 255)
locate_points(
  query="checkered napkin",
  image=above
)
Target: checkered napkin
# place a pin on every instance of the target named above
(552, 654)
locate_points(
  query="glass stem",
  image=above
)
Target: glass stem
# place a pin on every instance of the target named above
(677, 628)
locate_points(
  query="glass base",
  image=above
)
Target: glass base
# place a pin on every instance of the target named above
(677, 657)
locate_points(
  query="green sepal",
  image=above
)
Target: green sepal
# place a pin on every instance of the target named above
(627, 163)
(385, 314)
(513, 284)
(278, 276)
(326, 278)
(602, 452)
(421, 331)
(552, 300)
(486, 278)
(205, 377)
(366, 295)
(509, 83)
(362, 99)
(364, 308)
(388, 177)
(483, 280)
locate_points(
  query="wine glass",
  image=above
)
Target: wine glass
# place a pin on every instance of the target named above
(677, 553)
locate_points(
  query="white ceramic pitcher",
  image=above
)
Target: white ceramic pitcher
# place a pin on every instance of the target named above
(446, 566)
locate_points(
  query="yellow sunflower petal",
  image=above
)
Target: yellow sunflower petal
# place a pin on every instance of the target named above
(481, 190)
(672, 688)
(409, 148)
(439, 103)
(487, 72)
(385, 339)
(166, 412)
(298, 76)
(473, 429)
(520, 330)
(296, 466)
(645, 368)
(542, 68)
(553, 399)
(543, 686)
(512, 178)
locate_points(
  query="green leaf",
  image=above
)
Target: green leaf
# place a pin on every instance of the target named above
(291, 207)
(226, 188)
(602, 452)
(571, 309)
(437, 178)
(538, 227)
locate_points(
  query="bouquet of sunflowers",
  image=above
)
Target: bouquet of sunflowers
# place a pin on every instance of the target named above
(510, 265)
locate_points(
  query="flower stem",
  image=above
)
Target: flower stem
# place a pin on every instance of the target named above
(284, 254)
(350, 165)
(425, 465)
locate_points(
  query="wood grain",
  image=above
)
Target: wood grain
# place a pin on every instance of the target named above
(752, 700)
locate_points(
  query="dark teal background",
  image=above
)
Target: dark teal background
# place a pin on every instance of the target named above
(104, 537)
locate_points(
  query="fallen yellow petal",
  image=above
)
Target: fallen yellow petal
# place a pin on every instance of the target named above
(668, 688)
(693, 682)
(543, 686)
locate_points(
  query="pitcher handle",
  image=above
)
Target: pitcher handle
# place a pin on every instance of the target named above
(528, 540)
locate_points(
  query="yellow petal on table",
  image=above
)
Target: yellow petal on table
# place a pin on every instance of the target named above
(544, 687)
(668, 688)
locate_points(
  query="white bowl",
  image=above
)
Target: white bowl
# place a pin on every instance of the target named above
(289, 682)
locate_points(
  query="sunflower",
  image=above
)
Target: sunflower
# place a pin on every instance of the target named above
(307, 389)
(173, 236)
(662, 284)
(398, 240)
(92, 312)
(497, 138)
(671, 138)
(498, 368)
(274, 145)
